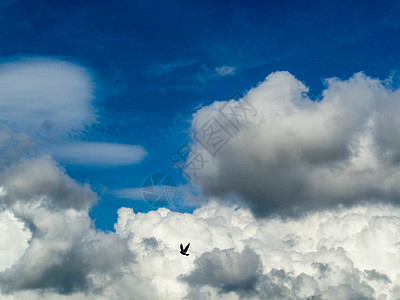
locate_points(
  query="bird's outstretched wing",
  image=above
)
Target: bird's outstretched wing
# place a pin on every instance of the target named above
(181, 248)
(187, 248)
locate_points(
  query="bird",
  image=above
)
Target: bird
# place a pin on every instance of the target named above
(183, 251)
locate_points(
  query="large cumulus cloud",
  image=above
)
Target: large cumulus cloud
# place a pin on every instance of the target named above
(55, 246)
(297, 154)
(349, 253)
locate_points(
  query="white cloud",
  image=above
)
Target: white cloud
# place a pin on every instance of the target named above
(350, 253)
(54, 247)
(325, 254)
(42, 178)
(98, 154)
(51, 250)
(297, 154)
(225, 71)
(14, 238)
(45, 95)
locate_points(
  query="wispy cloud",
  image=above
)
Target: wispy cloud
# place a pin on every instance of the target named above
(206, 73)
(161, 69)
(98, 154)
(225, 71)
(129, 193)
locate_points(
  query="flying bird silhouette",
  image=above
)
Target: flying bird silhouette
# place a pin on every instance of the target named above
(183, 251)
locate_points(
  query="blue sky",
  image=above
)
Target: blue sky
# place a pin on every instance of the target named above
(154, 63)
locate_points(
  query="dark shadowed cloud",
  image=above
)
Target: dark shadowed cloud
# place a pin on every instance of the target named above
(281, 152)
(227, 271)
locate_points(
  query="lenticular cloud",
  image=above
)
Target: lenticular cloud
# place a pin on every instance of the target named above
(46, 95)
(281, 152)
